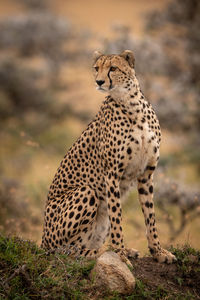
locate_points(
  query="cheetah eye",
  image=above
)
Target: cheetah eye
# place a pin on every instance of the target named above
(112, 69)
(96, 68)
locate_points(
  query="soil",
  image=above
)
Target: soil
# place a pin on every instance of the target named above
(171, 278)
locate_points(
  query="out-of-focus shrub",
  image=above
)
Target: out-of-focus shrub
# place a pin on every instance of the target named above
(177, 30)
(168, 62)
(35, 33)
(27, 86)
(35, 47)
(183, 197)
(22, 89)
(36, 4)
(15, 214)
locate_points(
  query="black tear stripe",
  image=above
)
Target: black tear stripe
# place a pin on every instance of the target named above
(110, 81)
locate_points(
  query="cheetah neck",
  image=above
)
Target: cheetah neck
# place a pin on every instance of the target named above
(129, 97)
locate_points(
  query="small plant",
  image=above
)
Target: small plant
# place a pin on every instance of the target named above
(28, 272)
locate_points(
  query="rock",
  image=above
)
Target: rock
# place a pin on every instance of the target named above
(112, 273)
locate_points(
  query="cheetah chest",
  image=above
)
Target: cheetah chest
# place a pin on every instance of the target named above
(142, 155)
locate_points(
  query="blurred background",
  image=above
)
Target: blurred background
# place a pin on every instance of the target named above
(47, 98)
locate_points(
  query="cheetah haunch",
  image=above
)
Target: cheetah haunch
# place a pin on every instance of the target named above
(119, 147)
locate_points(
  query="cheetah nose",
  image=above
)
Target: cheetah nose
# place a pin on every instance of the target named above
(100, 82)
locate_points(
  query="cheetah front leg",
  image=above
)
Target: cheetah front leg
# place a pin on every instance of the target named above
(115, 218)
(145, 190)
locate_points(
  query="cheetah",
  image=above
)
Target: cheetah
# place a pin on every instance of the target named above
(120, 147)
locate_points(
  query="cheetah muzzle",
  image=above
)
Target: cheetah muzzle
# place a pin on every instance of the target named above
(119, 147)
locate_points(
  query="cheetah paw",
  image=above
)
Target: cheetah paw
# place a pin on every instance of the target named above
(125, 259)
(132, 253)
(164, 256)
(123, 255)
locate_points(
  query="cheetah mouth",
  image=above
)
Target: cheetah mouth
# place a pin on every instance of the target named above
(103, 90)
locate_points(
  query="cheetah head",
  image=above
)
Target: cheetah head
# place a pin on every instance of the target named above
(114, 73)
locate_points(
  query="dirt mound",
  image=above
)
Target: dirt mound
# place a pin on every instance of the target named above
(28, 272)
(181, 278)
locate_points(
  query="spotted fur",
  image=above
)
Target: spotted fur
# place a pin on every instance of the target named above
(119, 147)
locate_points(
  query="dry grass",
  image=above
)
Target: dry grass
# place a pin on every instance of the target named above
(27, 272)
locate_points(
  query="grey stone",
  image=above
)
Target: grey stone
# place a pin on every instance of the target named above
(110, 272)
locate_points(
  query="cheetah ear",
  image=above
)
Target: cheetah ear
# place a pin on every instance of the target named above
(96, 55)
(128, 55)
